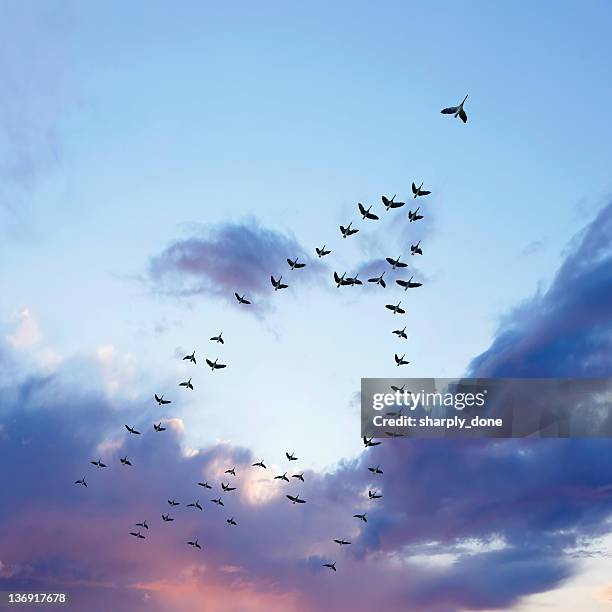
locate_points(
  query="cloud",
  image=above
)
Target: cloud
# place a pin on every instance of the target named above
(27, 332)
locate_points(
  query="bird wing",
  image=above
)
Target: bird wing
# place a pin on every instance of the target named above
(463, 116)
(414, 188)
(237, 296)
(362, 210)
(401, 264)
(424, 193)
(451, 110)
(372, 216)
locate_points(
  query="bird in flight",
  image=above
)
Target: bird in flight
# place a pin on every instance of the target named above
(415, 249)
(161, 401)
(294, 265)
(352, 281)
(400, 389)
(241, 299)
(194, 544)
(231, 521)
(195, 504)
(400, 361)
(366, 214)
(173, 502)
(340, 280)
(401, 333)
(226, 487)
(81, 481)
(395, 309)
(125, 461)
(167, 518)
(456, 111)
(396, 263)
(277, 283)
(347, 231)
(218, 339)
(205, 485)
(143, 524)
(98, 463)
(282, 477)
(363, 517)
(137, 534)
(187, 384)
(321, 252)
(213, 365)
(231, 471)
(369, 442)
(414, 216)
(341, 542)
(132, 430)
(219, 502)
(408, 284)
(391, 203)
(417, 191)
(330, 565)
(158, 427)
(298, 476)
(374, 495)
(375, 470)
(190, 357)
(260, 464)
(296, 499)
(378, 280)
(291, 456)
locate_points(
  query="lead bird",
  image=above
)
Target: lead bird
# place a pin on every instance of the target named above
(213, 365)
(295, 499)
(456, 111)
(414, 216)
(417, 191)
(408, 284)
(187, 384)
(395, 309)
(378, 280)
(161, 401)
(396, 263)
(158, 427)
(132, 430)
(391, 203)
(365, 213)
(347, 231)
(401, 333)
(277, 283)
(400, 361)
(294, 265)
(415, 249)
(321, 252)
(218, 339)
(190, 357)
(241, 299)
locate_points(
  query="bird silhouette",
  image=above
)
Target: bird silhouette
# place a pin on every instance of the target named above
(125, 461)
(395, 309)
(231, 471)
(167, 518)
(81, 481)
(396, 263)
(408, 284)
(194, 543)
(231, 521)
(195, 504)
(241, 299)
(415, 249)
(347, 231)
(331, 566)
(296, 499)
(218, 339)
(401, 333)
(226, 487)
(277, 283)
(342, 542)
(321, 252)
(205, 485)
(282, 477)
(456, 111)
(375, 470)
(187, 384)
(260, 464)
(158, 427)
(365, 213)
(374, 495)
(98, 463)
(213, 365)
(414, 216)
(379, 280)
(369, 442)
(190, 357)
(137, 534)
(294, 265)
(132, 430)
(363, 517)
(391, 203)
(218, 501)
(400, 361)
(298, 476)
(291, 456)
(143, 524)
(417, 191)
(161, 401)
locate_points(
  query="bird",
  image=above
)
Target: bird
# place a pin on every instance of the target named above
(81, 481)
(321, 252)
(194, 544)
(401, 333)
(219, 502)
(400, 360)
(366, 214)
(341, 542)
(195, 504)
(415, 249)
(340, 280)
(395, 309)
(190, 357)
(417, 191)
(378, 280)
(392, 434)
(396, 263)
(218, 339)
(167, 518)
(400, 389)
(291, 456)
(375, 470)
(231, 471)
(363, 517)
(391, 203)
(330, 565)
(277, 283)
(369, 442)
(294, 265)
(374, 495)
(125, 461)
(352, 281)
(187, 384)
(260, 464)
(137, 534)
(298, 476)
(226, 487)
(173, 502)
(456, 111)
(241, 299)
(161, 401)
(205, 485)
(408, 284)
(143, 524)
(132, 430)
(347, 231)
(214, 365)
(414, 216)
(231, 521)
(282, 477)
(98, 463)
(158, 427)
(296, 499)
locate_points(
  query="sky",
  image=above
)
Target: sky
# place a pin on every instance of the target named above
(155, 160)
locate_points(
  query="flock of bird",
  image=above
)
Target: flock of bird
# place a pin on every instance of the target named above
(278, 284)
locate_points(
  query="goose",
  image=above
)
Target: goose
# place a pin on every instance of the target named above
(347, 231)
(366, 214)
(161, 401)
(194, 544)
(213, 365)
(400, 360)
(298, 476)
(378, 280)
(231, 471)
(205, 485)
(374, 495)
(190, 357)
(375, 470)
(218, 339)
(395, 309)
(408, 284)
(167, 518)
(400, 389)
(231, 521)
(187, 384)
(414, 216)
(291, 456)
(158, 427)
(260, 464)
(363, 517)
(415, 249)
(195, 504)
(132, 430)
(294, 265)
(137, 534)
(295, 499)
(143, 524)
(241, 299)
(456, 111)
(277, 283)
(396, 263)
(321, 252)
(401, 333)
(173, 502)
(369, 442)
(341, 542)
(352, 280)
(391, 203)
(417, 191)
(219, 502)
(340, 280)
(98, 463)
(226, 487)
(125, 461)
(330, 565)
(81, 481)
(282, 477)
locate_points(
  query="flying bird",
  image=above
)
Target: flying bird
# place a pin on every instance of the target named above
(194, 544)
(143, 524)
(291, 456)
(396, 263)
(81, 481)
(125, 461)
(400, 361)
(218, 502)
(187, 384)
(218, 339)
(158, 427)
(173, 502)
(347, 231)
(260, 464)
(195, 504)
(401, 333)
(414, 216)
(400, 389)
(226, 487)
(231, 471)
(241, 299)
(352, 281)
(205, 485)
(391, 203)
(340, 280)
(298, 476)
(395, 309)
(342, 542)
(363, 517)
(417, 191)
(378, 280)
(167, 518)
(375, 470)
(161, 401)
(296, 499)
(213, 365)
(369, 442)
(374, 495)
(330, 565)
(366, 214)
(456, 111)
(190, 357)
(321, 252)
(132, 430)
(137, 534)
(415, 249)
(283, 477)
(294, 265)
(408, 284)
(231, 521)
(277, 283)
(98, 463)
